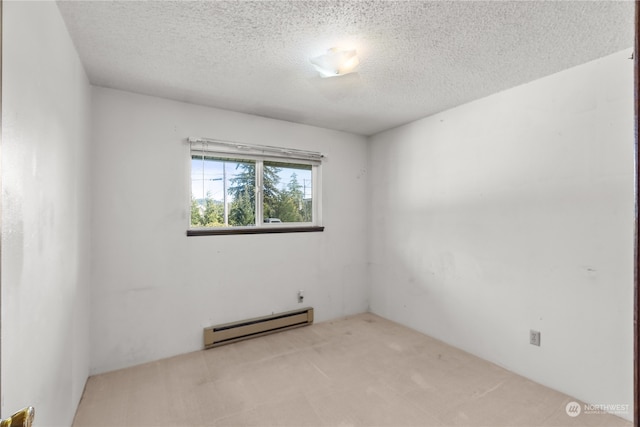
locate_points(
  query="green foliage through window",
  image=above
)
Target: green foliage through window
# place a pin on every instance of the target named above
(287, 195)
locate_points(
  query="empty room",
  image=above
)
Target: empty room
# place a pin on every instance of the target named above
(317, 213)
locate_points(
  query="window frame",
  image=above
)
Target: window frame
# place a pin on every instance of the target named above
(259, 154)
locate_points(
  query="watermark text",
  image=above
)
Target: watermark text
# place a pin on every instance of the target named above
(573, 409)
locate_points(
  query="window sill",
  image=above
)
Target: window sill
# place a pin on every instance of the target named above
(251, 230)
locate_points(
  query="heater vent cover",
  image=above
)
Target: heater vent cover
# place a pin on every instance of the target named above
(250, 328)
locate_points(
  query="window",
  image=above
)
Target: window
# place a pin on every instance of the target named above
(247, 189)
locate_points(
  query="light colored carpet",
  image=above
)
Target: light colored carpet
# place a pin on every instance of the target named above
(358, 371)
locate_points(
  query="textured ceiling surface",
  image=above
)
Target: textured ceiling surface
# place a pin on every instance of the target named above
(416, 57)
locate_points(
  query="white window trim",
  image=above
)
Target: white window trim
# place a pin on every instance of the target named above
(259, 154)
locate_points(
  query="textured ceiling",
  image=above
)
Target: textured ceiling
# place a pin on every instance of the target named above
(416, 57)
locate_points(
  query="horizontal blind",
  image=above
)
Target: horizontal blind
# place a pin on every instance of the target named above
(207, 146)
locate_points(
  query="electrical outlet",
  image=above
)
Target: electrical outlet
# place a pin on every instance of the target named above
(534, 337)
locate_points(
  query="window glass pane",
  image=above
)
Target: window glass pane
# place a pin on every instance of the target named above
(222, 192)
(287, 193)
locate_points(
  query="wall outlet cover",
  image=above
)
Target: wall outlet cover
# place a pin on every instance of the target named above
(534, 337)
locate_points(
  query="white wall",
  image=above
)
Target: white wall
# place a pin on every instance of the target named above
(45, 215)
(516, 212)
(154, 289)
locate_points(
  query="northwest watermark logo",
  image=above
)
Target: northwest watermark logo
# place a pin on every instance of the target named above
(606, 408)
(574, 409)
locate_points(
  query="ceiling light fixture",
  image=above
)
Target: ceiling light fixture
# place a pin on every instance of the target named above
(335, 62)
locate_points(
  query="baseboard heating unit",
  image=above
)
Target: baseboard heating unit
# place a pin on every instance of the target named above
(251, 328)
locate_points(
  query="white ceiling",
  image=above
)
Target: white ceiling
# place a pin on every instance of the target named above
(416, 57)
